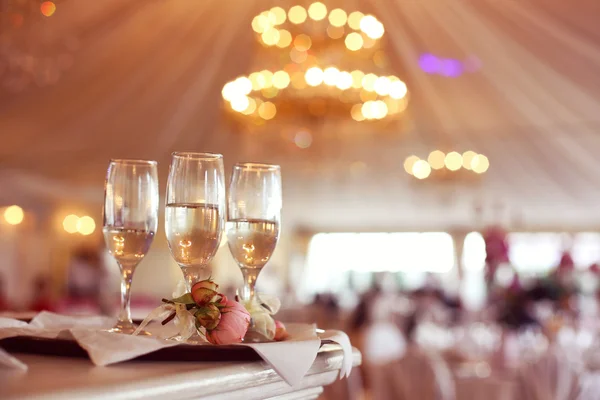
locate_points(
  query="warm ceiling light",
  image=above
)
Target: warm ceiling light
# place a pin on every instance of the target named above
(354, 41)
(436, 159)
(344, 80)
(371, 27)
(480, 164)
(48, 8)
(398, 90)
(368, 82)
(453, 161)
(409, 162)
(330, 76)
(421, 169)
(302, 42)
(354, 19)
(86, 225)
(468, 158)
(240, 103)
(270, 37)
(314, 76)
(357, 77)
(281, 79)
(285, 38)
(70, 223)
(279, 14)
(317, 11)
(297, 15)
(382, 86)
(356, 112)
(14, 215)
(338, 17)
(267, 110)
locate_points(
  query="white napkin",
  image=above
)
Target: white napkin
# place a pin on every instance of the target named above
(343, 340)
(291, 359)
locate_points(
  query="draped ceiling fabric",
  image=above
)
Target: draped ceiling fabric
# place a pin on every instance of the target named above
(147, 77)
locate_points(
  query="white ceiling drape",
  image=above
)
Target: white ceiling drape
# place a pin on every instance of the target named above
(147, 77)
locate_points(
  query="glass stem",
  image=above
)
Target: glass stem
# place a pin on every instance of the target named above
(126, 278)
(250, 275)
(193, 274)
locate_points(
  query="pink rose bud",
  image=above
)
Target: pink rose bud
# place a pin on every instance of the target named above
(206, 284)
(233, 324)
(208, 316)
(280, 331)
(203, 296)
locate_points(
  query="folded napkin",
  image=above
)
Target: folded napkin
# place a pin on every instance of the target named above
(291, 359)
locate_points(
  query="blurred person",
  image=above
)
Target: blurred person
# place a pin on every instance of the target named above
(86, 282)
(42, 296)
(4, 305)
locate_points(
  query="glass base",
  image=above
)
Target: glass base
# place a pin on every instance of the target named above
(255, 337)
(127, 328)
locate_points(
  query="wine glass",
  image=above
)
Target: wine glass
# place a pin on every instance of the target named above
(130, 219)
(195, 211)
(253, 221)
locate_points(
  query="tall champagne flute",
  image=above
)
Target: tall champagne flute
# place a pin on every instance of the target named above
(195, 211)
(253, 223)
(130, 220)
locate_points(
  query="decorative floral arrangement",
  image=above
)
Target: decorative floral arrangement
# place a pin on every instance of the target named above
(214, 317)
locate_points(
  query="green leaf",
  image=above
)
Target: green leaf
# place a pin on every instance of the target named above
(185, 299)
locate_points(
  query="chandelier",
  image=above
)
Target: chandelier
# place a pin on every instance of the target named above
(31, 53)
(315, 63)
(451, 166)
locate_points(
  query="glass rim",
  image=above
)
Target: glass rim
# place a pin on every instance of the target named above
(132, 161)
(197, 156)
(257, 166)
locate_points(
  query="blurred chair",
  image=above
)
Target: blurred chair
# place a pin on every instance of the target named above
(552, 377)
(418, 375)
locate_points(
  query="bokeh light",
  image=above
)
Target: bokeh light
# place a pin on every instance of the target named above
(14, 215)
(368, 82)
(437, 159)
(382, 86)
(330, 76)
(468, 158)
(357, 77)
(240, 103)
(314, 76)
(267, 110)
(86, 225)
(281, 79)
(279, 14)
(335, 32)
(421, 169)
(354, 20)
(480, 164)
(303, 139)
(453, 161)
(356, 112)
(344, 80)
(297, 14)
(338, 17)
(70, 223)
(270, 37)
(48, 8)
(409, 162)
(302, 42)
(354, 41)
(398, 90)
(285, 38)
(317, 11)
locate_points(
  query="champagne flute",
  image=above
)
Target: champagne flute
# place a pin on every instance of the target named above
(130, 219)
(195, 212)
(254, 217)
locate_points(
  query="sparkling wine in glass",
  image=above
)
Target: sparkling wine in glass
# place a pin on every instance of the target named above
(195, 211)
(253, 223)
(130, 220)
